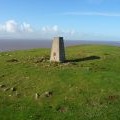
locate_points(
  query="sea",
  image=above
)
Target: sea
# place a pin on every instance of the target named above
(17, 44)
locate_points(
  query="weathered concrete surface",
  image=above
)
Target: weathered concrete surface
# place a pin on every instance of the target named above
(57, 51)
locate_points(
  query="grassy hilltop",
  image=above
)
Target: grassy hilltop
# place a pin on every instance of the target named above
(86, 87)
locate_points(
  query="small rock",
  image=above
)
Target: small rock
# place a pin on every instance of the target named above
(36, 95)
(48, 93)
(2, 86)
(12, 60)
(10, 95)
(62, 109)
(13, 89)
(6, 89)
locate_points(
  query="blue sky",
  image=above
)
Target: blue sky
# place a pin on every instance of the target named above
(72, 19)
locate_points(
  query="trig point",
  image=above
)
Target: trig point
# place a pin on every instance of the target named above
(57, 51)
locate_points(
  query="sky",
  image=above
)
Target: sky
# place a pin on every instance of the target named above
(72, 19)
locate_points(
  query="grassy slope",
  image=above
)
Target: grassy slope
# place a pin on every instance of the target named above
(85, 88)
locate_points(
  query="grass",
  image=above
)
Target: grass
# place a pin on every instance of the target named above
(86, 87)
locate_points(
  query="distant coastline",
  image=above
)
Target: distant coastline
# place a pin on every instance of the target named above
(10, 45)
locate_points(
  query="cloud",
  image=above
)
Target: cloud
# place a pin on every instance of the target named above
(50, 29)
(55, 30)
(92, 14)
(13, 29)
(26, 27)
(11, 26)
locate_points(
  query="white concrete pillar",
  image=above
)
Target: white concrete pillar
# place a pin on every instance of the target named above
(57, 50)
